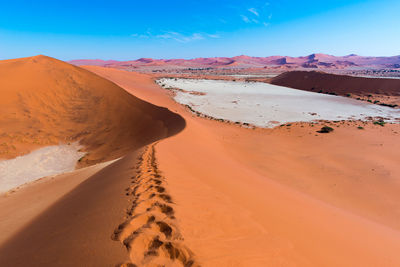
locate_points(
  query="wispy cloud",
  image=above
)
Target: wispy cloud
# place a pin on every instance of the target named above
(141, 36)
(254, 11)
(182, 38)
(245, 18)
(257, 15)
(215, 36)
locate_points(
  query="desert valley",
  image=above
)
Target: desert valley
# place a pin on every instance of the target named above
(199, 133)
(179, 171)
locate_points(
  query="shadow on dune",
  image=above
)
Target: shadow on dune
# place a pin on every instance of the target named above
(77, 229)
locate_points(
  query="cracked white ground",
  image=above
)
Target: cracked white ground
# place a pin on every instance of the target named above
(267, 105)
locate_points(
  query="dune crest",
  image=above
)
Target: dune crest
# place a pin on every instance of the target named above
(150, 232)
(45, 101)
(72, 226)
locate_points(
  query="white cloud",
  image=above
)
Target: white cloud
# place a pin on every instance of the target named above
(195, 36)
(245, 19)
(186, 38)
(179, 37)
(141, 36)
(254, 11)
(215, 36)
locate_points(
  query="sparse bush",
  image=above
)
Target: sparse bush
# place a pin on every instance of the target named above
(325, 129)
(388, 105)
(381, 123)
(360, 128)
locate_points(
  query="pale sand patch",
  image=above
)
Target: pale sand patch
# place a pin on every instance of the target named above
(46, 161)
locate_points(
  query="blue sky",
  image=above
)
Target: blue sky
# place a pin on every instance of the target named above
(126, 30)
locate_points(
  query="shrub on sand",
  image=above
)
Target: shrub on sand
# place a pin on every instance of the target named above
(381, 123)
(325, 129)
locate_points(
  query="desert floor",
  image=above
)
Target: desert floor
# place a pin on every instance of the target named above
(219, 195)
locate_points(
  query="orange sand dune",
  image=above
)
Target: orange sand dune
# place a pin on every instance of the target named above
(45, 101)
(280, 197)
(216, 194)
(69, 220)
(382, 90)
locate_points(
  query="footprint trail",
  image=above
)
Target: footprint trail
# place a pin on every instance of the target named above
(150, 232)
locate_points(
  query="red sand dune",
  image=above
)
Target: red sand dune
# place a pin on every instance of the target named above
(319, 61)
(280, 197)
(45, 101)
(216, 194)
(387, 91)
(69, 221)
(94, 62)
(339, 84)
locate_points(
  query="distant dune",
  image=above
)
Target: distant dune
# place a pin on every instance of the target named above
(93, 62)
(339, 84)
(374, 88)
(313, 61)
(44, 101)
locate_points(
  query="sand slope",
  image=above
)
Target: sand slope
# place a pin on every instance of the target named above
(281, 197)
(70, 220)
(46, 101)
(220, 195)
(76, 230)
(380, 88)
(339, 84)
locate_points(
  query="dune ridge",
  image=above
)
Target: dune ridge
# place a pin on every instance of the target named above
(313, 61)
(150, 232)
(385, 91)
(45, 101)
(73, 225)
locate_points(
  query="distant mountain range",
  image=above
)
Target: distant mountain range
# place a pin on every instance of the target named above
(314, 61)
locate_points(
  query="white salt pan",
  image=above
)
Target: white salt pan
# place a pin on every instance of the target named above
(43, 162)
(267, 105)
